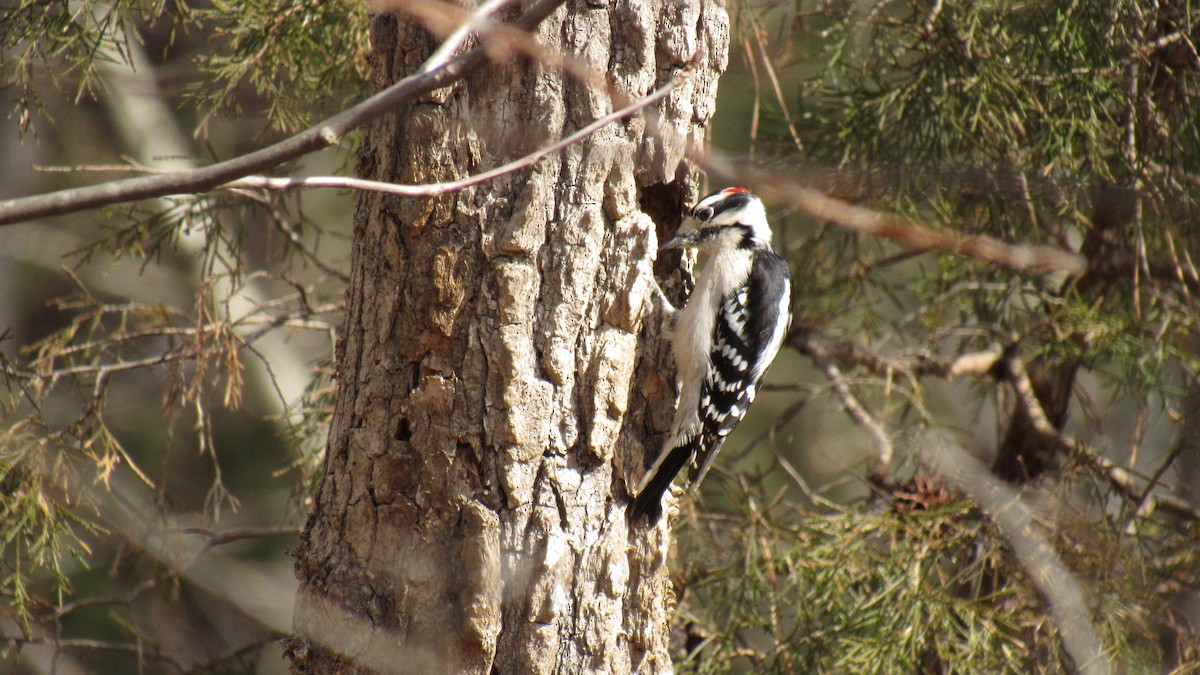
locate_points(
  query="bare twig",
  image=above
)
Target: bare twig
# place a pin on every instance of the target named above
(126, 598)
(282, 222)
(445, 17)
(452, 42)
(857, 411)
(1146, 498)
(806, 340)
(905, 232)
(775, 87)
(1145, 505)
(756, 113)
(812, 495)
(829, 354)
(214, 538)
(327, 133)
(1029, 545)
(434, 189)
(1122, 479)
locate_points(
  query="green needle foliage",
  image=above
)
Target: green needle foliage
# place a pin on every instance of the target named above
(127, 387)
(58, 45)
(863, 592)
(303, 58)
(292, 60)
(1073, 125)
(923, 584)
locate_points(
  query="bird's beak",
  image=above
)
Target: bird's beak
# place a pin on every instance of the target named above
(686, 240)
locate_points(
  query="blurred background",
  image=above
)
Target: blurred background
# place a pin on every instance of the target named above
(166, 387)
(165, 363)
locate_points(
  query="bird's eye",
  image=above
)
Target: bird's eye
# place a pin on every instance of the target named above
(705, 213)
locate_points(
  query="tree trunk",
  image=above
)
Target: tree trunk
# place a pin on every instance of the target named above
(501, 374)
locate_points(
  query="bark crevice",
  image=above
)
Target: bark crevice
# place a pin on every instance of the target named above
(502, 374)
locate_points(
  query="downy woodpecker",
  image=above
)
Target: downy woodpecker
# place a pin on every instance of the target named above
(724, 338)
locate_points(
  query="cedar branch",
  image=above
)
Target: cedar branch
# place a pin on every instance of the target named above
(318, 137)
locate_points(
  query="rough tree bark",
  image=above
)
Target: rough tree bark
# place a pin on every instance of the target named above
(499, 384)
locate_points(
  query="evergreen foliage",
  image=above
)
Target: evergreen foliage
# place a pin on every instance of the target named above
(1072, 125)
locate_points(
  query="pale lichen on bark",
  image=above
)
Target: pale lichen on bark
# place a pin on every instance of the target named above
(499, 381)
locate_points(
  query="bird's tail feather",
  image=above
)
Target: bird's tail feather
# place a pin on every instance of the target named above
(648, 503)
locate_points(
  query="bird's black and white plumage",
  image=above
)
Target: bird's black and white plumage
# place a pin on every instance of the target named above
(724, 337)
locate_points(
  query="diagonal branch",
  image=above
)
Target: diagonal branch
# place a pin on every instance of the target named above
(828, 354)
(1119, 477)
(1030, 547)
(460, 34)
(857, 411)
(319, 137)
(435, 189)
(908, 233)
(807, 339)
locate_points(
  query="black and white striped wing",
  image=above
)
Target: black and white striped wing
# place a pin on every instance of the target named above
(748, 332)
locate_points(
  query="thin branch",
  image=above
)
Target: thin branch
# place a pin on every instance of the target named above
(126, 598)
(1147, 499)
(828, 354)
(776, 88)
(445, 17)
(807, 340)
(756, 112)
(857, 411)
(281, 221)
(325, 134)
(1015, 521)
(1145, 505)
(1119, 477)
(83, 643)
(781, 419)
(142, 648)
(446, 50)
(812, 495)
(908, 233)
(435, 189)
(233, 653)
(214, 538)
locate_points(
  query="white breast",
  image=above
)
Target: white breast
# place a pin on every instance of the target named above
(693, 331)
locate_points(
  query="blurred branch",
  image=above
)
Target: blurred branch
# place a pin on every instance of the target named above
(1120, 478)
(808, 340)
(829, 354)
(281, 221)
(906, 232)
(435, 189)
(448, 18)
(1036, 556)
(756, 111)
(1146, 499)
(857, 411)
(221, 661)
(446, 50)
(141, 648)
(1019, 377)
(1185, 443)
(757, 31)
(213, 538)
(328, 133)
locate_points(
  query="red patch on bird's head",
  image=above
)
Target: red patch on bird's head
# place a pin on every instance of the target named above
(733, 190)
